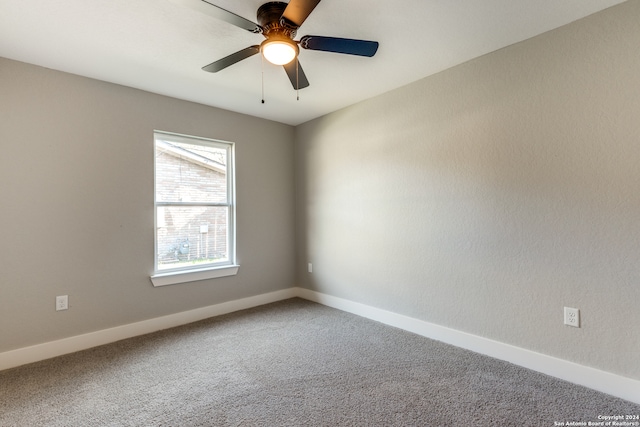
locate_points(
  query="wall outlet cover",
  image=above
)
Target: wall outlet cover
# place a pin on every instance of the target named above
(62, 302)
(572, 317)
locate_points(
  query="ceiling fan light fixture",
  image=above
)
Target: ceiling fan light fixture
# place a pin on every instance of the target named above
(279, 51)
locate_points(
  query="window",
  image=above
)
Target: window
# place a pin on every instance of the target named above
(194, 209)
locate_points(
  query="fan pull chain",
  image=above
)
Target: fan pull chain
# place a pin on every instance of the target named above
(297, 81)
(262, 71)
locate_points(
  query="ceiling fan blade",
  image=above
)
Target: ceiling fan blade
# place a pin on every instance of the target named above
(217, 12)
(298, 80)
(223, 63)
(338, 45)
(298, 11)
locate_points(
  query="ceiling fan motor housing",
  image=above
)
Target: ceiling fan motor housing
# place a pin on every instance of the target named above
(272, 23)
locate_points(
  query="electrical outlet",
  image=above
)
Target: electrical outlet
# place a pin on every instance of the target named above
(310, 268)
(62, 302)
(572, 317)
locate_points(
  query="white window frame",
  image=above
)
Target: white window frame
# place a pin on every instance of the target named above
(190, 274)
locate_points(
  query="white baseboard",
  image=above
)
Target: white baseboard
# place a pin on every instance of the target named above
(615, 385)
(35, 353)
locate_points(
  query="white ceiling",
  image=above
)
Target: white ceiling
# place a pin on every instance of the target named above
(159, 46)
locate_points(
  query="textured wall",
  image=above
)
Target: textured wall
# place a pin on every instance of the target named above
(76, 185)
(489, 196)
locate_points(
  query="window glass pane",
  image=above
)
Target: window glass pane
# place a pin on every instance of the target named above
(190, 173)
(192, 236)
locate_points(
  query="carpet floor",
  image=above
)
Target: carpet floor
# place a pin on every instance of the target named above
(291, 363)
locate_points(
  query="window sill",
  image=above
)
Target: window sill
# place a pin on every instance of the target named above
(175, 277)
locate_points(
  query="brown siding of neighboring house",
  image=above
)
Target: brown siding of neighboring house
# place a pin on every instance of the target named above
(190, 233)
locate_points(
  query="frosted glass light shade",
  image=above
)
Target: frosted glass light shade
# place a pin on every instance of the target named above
(279, 52)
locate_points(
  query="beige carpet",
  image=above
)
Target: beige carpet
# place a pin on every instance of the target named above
(292, 363)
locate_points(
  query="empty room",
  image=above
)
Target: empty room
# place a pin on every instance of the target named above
(320, 213)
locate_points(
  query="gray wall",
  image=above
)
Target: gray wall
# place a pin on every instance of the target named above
(76, 215)
(489, 196)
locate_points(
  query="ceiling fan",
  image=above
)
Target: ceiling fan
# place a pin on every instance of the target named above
(278, 23)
